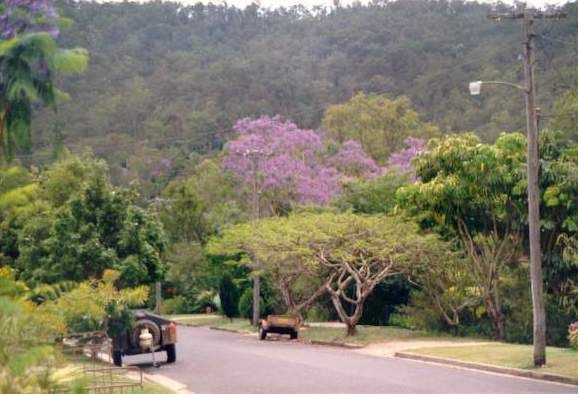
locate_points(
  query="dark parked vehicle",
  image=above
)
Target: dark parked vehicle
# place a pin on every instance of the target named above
(163, 331)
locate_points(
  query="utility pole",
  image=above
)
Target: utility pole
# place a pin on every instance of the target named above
(158, 297)
(528, 15)
(255, 214)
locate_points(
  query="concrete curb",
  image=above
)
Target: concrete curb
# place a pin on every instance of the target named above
(188, 324)
(332, 344)
(550, 377)
(168, 383)
(231, 330)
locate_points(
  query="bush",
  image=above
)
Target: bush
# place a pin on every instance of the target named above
(175, 306)
(420, 314)
(573, 335)
(318, 313)
(401, 320)
(229, 297)
(246, 305)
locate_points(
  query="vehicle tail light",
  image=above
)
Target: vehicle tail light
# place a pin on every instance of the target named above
(172, 332)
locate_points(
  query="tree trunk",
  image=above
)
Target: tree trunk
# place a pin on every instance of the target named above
(497, 316)
(351, 330)
(350, 321)
(256, 300)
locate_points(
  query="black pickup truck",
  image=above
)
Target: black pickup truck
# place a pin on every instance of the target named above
(164, 334)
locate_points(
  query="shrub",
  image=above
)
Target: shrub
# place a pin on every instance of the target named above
(318, 313)
(228, 295)
(401, 320)
(573, 335)
(175, 306)
(246, 305)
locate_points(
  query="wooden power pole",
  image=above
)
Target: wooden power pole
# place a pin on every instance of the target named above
(255, 215)
(528, 15)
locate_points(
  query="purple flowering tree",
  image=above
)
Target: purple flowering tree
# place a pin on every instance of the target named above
(20, 16)
(277, 162)
(402, 160)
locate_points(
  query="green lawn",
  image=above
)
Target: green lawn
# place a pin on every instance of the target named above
(367, 334)
(197, 320)
(559, 361)
(237, 324)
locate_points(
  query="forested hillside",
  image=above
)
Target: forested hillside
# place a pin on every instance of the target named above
(165, 81)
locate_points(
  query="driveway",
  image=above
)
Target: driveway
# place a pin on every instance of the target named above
(210, 361)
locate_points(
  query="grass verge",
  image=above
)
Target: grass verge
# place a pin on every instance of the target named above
(365, 334)
(369, 334)
(559, 361)
(218, 321)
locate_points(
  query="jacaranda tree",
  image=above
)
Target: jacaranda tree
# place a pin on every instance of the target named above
(280, 165)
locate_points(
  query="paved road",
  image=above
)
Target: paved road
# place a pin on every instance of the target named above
(211, 361)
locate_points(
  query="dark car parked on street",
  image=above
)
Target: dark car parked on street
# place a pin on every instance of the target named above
(163, 331)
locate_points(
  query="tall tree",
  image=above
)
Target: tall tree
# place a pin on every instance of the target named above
(378, 123)
(473, 191)
(29, 60)
(280, 165)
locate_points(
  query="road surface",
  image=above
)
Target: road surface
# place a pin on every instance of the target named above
(210, 361)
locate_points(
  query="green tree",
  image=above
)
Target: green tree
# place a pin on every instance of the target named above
(566, 114)
(229, 296)
(271, 245)
(475, 192)
(372, 196)
(28, 63)
(27, 354)
(378, 123)
(88, 226)
(346, 255)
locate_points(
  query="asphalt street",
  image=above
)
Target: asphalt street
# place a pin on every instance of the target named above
(210, 361)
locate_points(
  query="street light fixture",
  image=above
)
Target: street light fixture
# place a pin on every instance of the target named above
(476, 86)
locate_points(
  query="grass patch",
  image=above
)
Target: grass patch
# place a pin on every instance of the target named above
(241, 325)
(197, 320)
(367, 334)
(77, 374)
(237, 324)
(559, 361)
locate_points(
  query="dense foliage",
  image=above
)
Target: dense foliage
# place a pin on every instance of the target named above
(29, 60)
(333, 153)
(166, 80)
(71, 224)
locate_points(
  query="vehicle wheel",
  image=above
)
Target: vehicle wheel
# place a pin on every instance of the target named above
(171, 353)
(293, 334)
(152, 327)
(262, 334)
(117, 358)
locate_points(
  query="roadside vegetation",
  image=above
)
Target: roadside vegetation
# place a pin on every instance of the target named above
(560, 361)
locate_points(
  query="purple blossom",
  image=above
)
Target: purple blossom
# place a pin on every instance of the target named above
(352, 160)
(402, 160)
(19, 16)
(274, 157)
